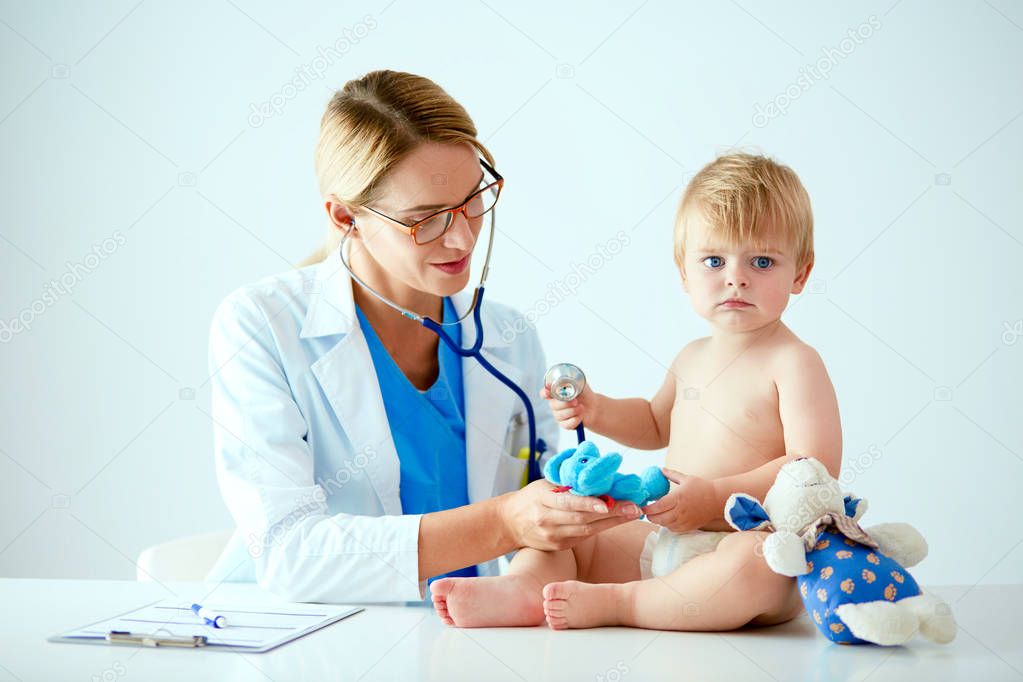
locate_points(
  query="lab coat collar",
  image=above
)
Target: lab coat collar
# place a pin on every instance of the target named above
(332, 307)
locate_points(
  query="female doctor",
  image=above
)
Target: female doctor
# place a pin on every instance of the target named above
(358, 456)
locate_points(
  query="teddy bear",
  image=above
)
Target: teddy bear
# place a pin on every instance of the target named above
(853, 582)
(583, 470)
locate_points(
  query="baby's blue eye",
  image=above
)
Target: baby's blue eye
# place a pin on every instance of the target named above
(713, 261)
(763, 262)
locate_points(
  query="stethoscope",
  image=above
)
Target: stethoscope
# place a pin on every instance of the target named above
(564, 380)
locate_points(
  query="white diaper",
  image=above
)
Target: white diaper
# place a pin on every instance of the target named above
(664, 551)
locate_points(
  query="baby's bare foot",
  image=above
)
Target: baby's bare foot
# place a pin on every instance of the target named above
(505, 601)
(572, 604)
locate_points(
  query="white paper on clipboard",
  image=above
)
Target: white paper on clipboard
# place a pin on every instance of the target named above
(249, 627)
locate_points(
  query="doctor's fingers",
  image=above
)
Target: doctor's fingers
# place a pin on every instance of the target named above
(558, 519)
(568, 502)
(565, 516)
(590, 529)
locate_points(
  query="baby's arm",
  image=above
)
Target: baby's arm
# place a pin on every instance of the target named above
(634, 422)
(808, 410)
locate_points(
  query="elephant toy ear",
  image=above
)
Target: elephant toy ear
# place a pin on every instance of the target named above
(596, 475)
(744, 512)
(552, 469)
(855, 507)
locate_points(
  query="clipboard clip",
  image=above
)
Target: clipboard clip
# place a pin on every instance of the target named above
(140, 639)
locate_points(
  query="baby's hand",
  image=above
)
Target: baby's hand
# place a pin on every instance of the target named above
(689, 505)
(570, 414)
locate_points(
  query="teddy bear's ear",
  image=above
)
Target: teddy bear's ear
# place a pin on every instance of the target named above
(744, 512)
(552, 469)
(855, 507)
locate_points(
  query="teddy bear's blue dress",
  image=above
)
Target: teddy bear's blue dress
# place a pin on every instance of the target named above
(841, 571)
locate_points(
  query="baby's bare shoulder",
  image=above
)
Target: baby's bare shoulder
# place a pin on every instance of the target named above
(793, 355)
(690, 352)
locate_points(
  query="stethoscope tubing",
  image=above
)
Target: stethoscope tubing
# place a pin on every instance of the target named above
(533, 466)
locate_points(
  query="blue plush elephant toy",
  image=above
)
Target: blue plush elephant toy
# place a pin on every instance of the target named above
(584, 471)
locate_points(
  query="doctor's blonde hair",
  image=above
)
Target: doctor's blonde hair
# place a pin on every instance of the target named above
(374, 122)
(748, 199)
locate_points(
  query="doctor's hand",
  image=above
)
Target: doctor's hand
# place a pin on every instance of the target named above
(538, 517)
(573, 412)
(690, 504)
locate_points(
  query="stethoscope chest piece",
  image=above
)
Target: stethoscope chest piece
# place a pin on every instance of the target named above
(566, 381)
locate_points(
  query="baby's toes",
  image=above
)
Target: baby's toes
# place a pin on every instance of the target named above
(557, 622)
(556, 591)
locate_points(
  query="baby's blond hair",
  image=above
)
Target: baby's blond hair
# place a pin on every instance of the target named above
(749, 199)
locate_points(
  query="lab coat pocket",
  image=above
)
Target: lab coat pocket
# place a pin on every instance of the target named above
(512, 464)
(511, 474)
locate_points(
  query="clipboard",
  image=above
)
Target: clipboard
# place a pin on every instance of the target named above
(170, 623)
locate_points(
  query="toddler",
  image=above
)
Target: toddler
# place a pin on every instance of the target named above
(733, 408)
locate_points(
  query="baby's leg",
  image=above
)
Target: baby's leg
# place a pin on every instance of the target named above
(612, 557)
(722, 590)
(516, 599)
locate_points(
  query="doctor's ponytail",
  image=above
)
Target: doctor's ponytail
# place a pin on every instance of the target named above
(374, 122)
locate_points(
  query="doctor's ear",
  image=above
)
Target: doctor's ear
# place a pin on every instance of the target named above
(341, 215)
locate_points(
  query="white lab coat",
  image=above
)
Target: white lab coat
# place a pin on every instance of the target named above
(304, 455)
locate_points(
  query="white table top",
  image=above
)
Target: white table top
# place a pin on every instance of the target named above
(409, 643)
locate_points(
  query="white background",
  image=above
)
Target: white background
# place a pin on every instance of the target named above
(134, 123)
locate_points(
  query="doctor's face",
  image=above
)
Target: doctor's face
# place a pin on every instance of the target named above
(432, 178)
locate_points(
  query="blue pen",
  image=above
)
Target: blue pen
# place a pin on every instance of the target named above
(211, 618)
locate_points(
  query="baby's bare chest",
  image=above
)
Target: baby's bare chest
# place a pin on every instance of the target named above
(725, 417)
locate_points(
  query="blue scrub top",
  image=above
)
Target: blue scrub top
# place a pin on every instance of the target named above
(428, 427)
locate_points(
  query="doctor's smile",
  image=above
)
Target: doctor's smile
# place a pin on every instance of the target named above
(454, 267)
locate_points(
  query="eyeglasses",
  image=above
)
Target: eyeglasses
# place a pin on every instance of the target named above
(478, 204)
